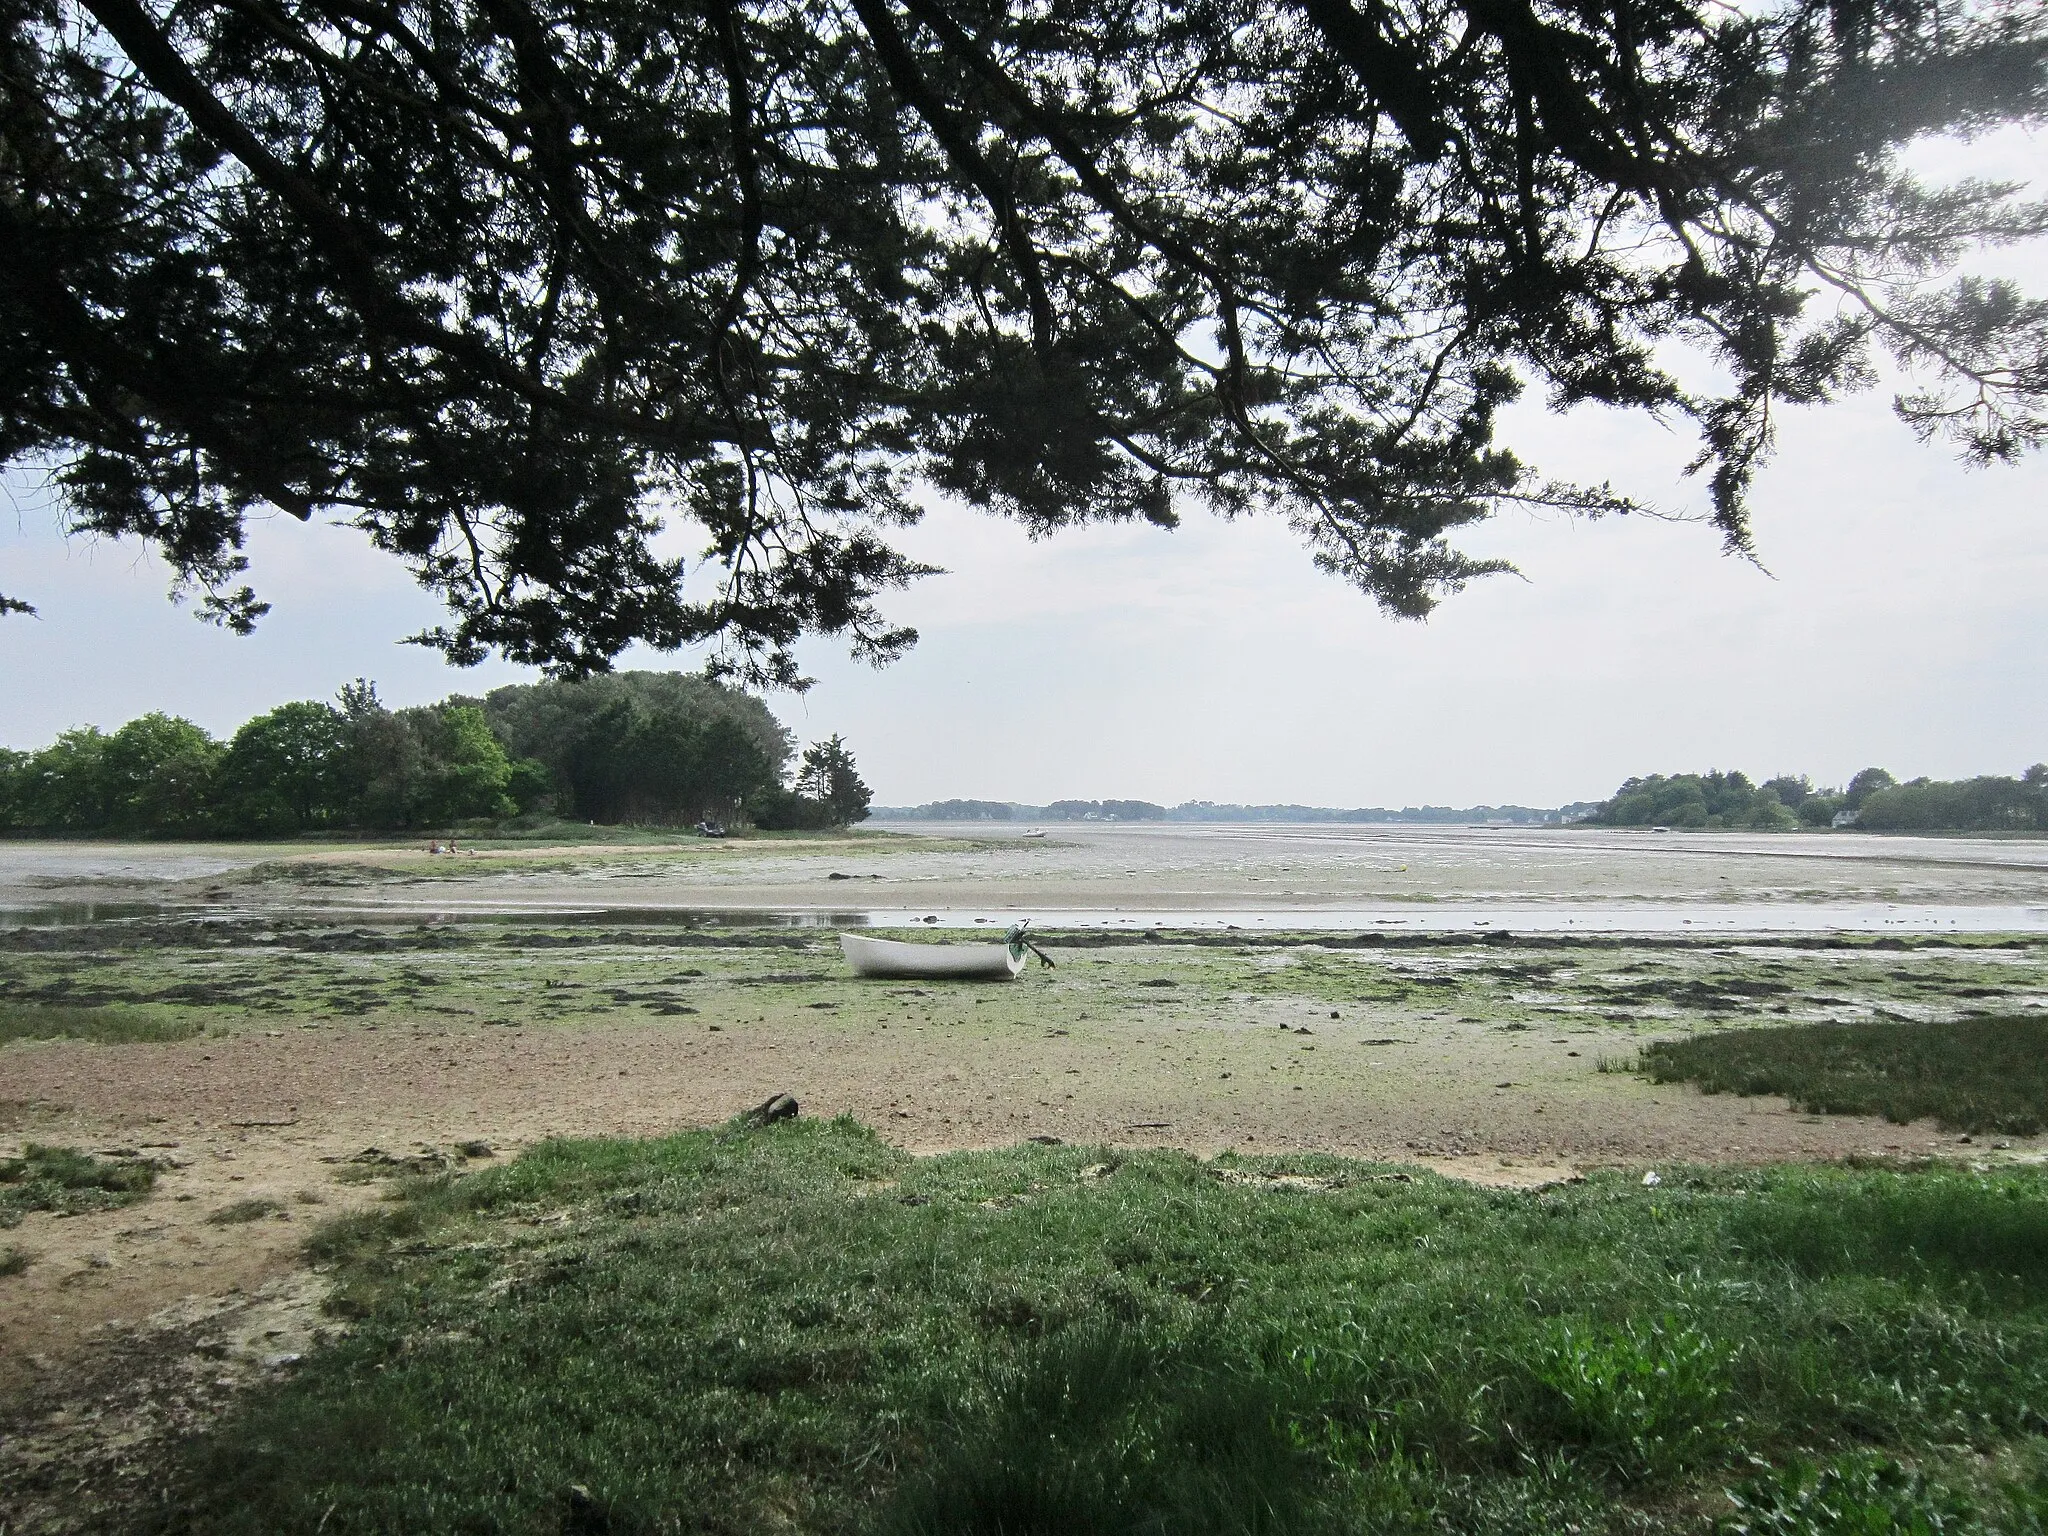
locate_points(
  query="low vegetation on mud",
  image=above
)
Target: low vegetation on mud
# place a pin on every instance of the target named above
(160, 979)
(1977, 1074)
(67, 1181)
(623, 853)
(109, 1026)
(802, 1327)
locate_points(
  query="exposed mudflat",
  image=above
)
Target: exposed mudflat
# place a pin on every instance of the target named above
(1137, 868)
(340, 1041)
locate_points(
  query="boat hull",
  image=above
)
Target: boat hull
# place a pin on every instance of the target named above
(957, 962)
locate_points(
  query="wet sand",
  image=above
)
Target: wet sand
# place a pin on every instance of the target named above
(1393, 874)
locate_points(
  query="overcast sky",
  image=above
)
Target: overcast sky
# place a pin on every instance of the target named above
(1899, 622)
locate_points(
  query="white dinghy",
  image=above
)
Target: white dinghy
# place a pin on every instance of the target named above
(955, 962)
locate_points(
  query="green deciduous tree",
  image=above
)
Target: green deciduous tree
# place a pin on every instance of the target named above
(504, 281)
(157, 776)
(653, 747)
(1880, 803)
(1821, 808)
(531, 787)
(1986, 804)
(425, 767)
(284, 773)
(1767, 813)
(1106, 810)
(1864, 785)
(160, 775)
(1792, 789)
(466, 770)
(13, 767)
(63, 788)
(1695, 800)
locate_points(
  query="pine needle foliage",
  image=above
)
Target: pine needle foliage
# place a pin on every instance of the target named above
(513, 284)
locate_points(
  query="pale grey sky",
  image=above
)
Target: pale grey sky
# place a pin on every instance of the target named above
(1900, 623)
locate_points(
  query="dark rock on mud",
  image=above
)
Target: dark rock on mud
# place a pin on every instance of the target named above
(779, 1106)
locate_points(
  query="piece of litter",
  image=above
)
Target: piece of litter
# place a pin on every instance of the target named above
(1650, 1179)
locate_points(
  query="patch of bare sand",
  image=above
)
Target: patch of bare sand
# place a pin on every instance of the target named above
(130, 1328)
(81, 1450)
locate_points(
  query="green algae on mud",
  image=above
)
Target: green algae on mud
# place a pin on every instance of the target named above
(24, 1019)
(242, 972)
(1479, 1051)
(805, 1328)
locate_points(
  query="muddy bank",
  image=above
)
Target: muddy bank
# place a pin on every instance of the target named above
(1135, 868)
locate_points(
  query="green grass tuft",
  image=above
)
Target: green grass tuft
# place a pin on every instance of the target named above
(1863, 1493)
(1983, 1231)
(13, 1261)
(802, 1328)
(1645, 1399)
(69, 1182)
(1095, 1432)
(1969, 1075)
(104, 1026)
(243, 1211)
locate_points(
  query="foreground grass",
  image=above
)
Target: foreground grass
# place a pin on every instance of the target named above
(69, 1182)
(802, 1328)
(107, 1026)
(1969, 1074)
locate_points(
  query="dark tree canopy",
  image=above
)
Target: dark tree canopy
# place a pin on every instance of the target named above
(829, 779)
(646, 748)
(508, 283)
(1874, 801)
(653, 748)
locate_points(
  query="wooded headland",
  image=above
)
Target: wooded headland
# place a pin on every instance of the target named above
(640, 748)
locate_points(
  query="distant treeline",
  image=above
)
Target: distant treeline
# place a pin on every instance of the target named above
(644, 748)
(1208, 810)
(1872, 801)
